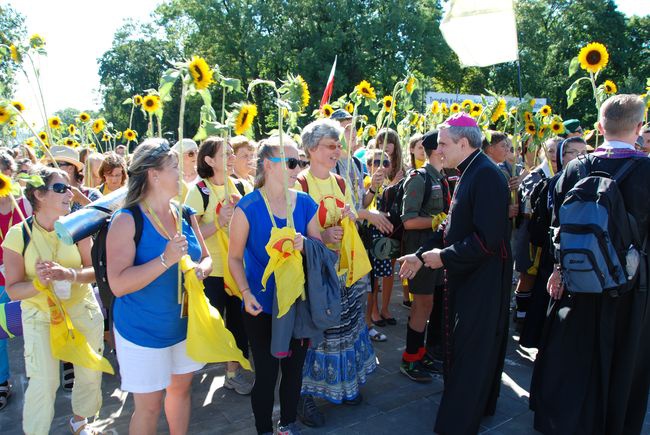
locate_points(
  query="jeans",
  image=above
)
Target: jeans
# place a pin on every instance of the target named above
(4, 355)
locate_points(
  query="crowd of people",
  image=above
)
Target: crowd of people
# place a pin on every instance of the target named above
(461, 216)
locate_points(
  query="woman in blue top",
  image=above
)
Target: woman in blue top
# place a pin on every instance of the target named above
(150, 330)
(250, 230)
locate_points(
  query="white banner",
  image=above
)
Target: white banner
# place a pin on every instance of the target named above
(448, 98)
(481, 32)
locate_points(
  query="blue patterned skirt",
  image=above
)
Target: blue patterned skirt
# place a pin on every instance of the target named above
(343, 360)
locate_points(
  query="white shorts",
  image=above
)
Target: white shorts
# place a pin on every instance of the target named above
(148, 369)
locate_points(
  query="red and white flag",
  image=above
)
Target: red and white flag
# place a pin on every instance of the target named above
(330, 86)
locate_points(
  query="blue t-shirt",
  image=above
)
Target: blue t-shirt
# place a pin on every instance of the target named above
(150, 317)
(259, 221)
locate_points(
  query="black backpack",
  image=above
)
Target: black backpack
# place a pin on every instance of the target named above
(599, 246)
(393, 199)
(204, 190)
(540, 218)
(98, 251)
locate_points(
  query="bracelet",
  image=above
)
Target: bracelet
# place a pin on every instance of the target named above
(247, 289)
(371, 191)
(162, 261)
(74, 275)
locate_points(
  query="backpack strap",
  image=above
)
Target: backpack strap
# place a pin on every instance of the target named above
(428, 185)
(341, 182)
(239, 186)
(625, 170)
(584, 168)
(303, 183)
(204, 196)
(138, 221)
(27, 226)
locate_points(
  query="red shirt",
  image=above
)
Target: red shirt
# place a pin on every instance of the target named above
(6, 222)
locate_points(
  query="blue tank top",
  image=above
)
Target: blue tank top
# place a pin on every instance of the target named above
(150, 317)
(259, 221)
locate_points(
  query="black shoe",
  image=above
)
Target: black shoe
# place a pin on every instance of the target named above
(431, 365)
(68, 376)
(406, 304)
(308, 412)
(415, 372)
(353, 402)
(5, 392)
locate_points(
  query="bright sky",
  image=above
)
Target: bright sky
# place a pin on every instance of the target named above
(78, 32)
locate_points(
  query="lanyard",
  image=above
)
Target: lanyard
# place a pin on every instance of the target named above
(334, 187)
(157, 221)
(268, 208)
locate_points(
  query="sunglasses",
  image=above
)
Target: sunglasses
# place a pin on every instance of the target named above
(385, 163)
(61, 164)
(191, 153)
(60, 188)
(292, 162)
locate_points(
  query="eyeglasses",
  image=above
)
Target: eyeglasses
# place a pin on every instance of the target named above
(191, 153)
(60, 164)
(385, 163)
(292, 162)
(59, 188)
(333, 147)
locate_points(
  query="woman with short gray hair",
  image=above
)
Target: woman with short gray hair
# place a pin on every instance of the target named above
(315, 132)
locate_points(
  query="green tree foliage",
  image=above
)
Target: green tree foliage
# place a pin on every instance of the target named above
(12, 30)
(376, 40)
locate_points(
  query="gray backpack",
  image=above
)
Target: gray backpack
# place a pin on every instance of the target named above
(599, 247)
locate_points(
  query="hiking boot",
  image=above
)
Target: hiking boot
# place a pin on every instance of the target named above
(431, 365)
(289, 429)
(309, 413)
(415, 372)
(239, 383)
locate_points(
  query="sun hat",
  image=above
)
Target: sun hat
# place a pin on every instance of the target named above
(188, 145)
(62, 153)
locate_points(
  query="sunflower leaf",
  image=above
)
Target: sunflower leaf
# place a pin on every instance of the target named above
(16, 190)
(215, 128)
(260, 82)
(200, 134)
(166, 82)
(32, 180)
(283, 104)
(574, 66)
(572, 92)
(231, 84)
(128, 101)
(206, 96)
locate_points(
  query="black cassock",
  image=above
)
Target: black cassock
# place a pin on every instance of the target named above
(592, 372)
(478, 265)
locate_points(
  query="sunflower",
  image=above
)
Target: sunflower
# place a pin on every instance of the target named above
(454, 108)
(372, 131)
(84, 117)
(410, 85)
(435, 107)
(105, 137)
(5, 186)
(610, 87)
(593, 57)
(137, 100)
(532, 102)
(4, 114)
(360, 132)
(15, 56)
(130, 135)
(388, 103)
(285, 113)
(305, 91)
(542, 131)
(413, 118)
(245, 118)
(118, 135)
(201, 73)
(557, 127)
(466, 105)
(43, 136)
(30, 142)
(12, 123)
(92, 147)
(151, 103)
(530, 128)
(476, 110)
(545, 110)
(54, 122)
(18, 105)
(99, 125)
(366, 90)
(327, 110)
(36, 41)
(528, 117)
(349, 107)
(499, 110)
(68, 142)
(72, 129)
(444, 109)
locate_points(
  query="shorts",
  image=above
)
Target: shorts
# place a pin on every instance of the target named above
(149, 369)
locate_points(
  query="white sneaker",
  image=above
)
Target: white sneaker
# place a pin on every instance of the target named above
(81, 427)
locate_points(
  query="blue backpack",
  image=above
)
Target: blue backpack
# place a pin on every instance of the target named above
(599, 246)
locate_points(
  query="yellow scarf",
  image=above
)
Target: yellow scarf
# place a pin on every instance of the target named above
(354, 257)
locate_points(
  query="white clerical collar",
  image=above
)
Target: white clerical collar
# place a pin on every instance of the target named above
(617, 144)
(546, 169)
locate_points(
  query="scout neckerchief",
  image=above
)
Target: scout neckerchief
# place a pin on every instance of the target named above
(157, 222)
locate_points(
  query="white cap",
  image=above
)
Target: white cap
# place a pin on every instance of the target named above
(188, 145)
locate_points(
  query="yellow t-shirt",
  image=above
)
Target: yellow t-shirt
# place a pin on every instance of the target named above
(49, 248)
(366, 184)
(208, 214)
(331, 201)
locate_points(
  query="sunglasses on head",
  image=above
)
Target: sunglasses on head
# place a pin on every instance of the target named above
(59, 187)
(385, 163)
(292, 162)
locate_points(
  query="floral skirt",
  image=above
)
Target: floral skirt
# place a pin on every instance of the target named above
(342, 361)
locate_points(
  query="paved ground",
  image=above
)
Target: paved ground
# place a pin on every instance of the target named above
(393, 404)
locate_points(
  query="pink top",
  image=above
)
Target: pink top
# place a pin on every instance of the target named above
(7, 221)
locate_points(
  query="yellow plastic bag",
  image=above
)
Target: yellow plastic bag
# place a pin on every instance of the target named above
(66, 342)
(436, 220)
(354, 257)
(208, 339)
(229, 282)
(286, 264)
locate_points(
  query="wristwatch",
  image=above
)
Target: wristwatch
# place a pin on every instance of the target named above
(418, 254)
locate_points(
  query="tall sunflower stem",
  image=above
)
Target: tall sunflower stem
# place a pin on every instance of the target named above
(224, 151)
(159, 122)
(592, 79)
(285, 171)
